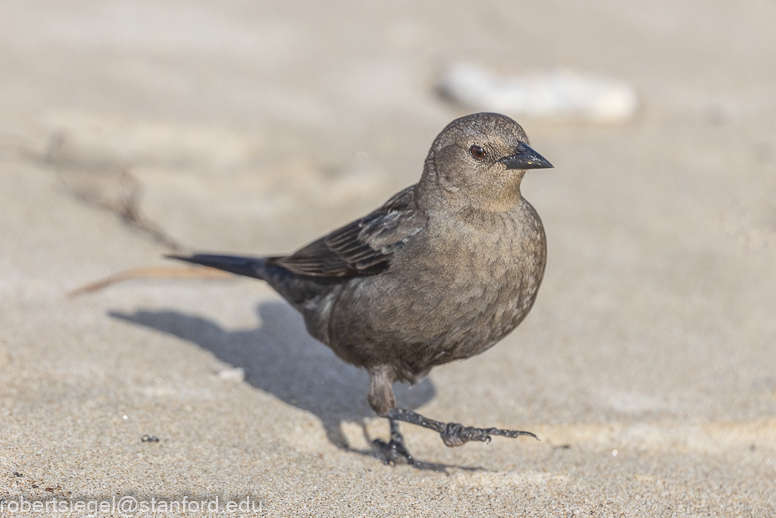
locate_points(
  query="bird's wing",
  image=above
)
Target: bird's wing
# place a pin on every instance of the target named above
(363, 247)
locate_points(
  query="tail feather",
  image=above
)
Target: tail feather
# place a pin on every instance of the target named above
(247, 266)
(297, 289)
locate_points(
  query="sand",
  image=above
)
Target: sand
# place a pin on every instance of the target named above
(129, 129)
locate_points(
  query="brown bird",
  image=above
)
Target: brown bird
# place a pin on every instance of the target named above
(441, 272)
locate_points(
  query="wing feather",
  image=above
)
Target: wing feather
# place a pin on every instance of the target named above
(362, 247)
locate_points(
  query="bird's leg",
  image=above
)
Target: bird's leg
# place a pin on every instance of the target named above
(395, 448)
(382, 399)
(453, 434)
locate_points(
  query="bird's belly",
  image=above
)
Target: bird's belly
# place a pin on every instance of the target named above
(441, 313)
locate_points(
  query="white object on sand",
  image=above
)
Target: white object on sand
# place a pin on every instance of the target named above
(236, 374)
(560, 95)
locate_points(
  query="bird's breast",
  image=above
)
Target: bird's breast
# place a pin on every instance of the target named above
(453, 293)
(492, 270)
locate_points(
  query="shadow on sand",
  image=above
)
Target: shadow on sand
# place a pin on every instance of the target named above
(280, 358)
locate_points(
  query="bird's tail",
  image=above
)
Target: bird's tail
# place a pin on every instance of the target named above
(296, 289)
(248, 266)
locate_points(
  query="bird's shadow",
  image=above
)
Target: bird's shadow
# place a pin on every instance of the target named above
(280, 358)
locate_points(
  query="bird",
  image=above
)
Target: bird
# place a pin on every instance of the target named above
(441, 272)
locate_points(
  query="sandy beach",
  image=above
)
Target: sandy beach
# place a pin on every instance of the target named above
(134, 129)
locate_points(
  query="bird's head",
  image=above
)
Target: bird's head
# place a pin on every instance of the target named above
(478, 162)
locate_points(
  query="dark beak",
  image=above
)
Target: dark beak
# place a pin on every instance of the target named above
(525, 158)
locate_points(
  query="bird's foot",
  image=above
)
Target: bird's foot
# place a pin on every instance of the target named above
(454, 434)
(394, 450)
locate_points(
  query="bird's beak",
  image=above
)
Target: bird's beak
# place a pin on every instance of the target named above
(525, 158)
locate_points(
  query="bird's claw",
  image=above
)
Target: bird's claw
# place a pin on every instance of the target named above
(456, 434)
(452, 434)
(393, 451)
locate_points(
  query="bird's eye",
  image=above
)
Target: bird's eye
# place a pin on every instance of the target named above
(478, 152)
